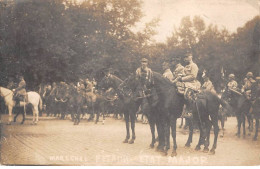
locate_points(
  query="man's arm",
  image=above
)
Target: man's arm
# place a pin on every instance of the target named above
(193, 74)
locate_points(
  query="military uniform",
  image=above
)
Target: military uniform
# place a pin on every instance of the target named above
(144, 75)
(179, 70)
(190, 76)
(207, 85)
(20, 91)
(232, 85)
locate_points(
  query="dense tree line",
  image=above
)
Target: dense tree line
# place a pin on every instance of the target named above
(53, 40)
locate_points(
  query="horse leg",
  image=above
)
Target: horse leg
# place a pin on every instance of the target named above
(10, 110)
(166, 128)
(239, 120)
(97, 118)
(244, 125)
(132, 118)
(181, 123)
(222, 125)
(256, 129)
(173, 127)
(190, 124)
(152, 128)
(15, 109)
(216, 131)
(206, 143)
(127, 127)
(201, 140)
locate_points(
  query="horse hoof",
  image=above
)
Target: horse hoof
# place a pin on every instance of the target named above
(197, 148)
(165, 153)
(205, 150)
(212, 152)
(221, 136)
(131, 141)
(174, 154)
(187, 145)
(125, 141)
(151, 145)
(159, 149)
(21, 122)
(180, 127)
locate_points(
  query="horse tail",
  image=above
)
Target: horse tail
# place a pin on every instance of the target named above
(40, 103)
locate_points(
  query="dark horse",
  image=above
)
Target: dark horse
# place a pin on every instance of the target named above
(128, 105)
(169, 108)
(241, 106)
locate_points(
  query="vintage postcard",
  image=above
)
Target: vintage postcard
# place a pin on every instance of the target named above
(130, 82)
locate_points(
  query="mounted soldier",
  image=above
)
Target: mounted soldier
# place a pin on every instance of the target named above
(248, 83)
(207, 85)
(20, 92)
(178, 69)
(189, 79)
(232, 84)
(167, 71)
(144, 76)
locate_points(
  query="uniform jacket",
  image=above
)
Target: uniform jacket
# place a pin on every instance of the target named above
(232, 85)
(20, 90)
(190, 76)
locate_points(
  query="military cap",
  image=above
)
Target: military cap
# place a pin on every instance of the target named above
(144, 60)
(231, 76)
(258, 79)
(249, 74)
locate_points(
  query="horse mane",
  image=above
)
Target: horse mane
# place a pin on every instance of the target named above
(5, 89)
(162, 79)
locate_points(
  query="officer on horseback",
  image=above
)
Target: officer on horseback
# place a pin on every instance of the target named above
(20, 91)
(144, 76)
(232, 84)
(178, 69)
(248, 83)
(189, 79)
(207, 85)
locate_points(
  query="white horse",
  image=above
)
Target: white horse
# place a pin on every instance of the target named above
(33, 98)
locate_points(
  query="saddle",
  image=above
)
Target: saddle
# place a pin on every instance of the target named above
(20, 100)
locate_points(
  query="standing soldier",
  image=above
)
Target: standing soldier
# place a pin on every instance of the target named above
(20, 91)
(167, 71)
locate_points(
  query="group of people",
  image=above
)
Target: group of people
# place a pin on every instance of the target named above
(183, 77)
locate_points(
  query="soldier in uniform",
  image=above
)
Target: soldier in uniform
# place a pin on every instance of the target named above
(232, 84)
(178, 69)
(248, 83)
(20, 91)
(189, 79)
(207, 85)
(144, 76)
(167, 71)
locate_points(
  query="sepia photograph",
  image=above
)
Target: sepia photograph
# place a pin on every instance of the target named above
(129, 82)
